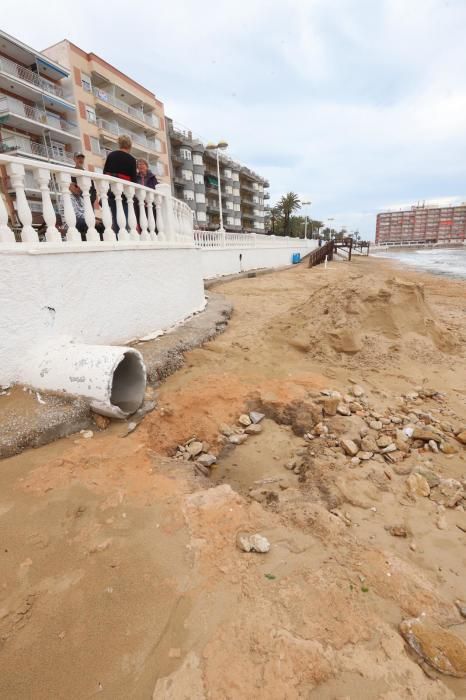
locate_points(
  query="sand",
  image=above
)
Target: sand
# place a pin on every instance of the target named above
(120, 576)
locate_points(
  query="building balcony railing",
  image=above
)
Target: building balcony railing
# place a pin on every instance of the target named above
(140, 139)
(150, 119)
(15, 70)
(24, 146)
(266, 195)
(23, 110)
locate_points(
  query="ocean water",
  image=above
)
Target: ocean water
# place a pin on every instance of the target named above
(450, 262)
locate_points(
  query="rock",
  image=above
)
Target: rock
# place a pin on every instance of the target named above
(431, 478)
(433, 446)
(384, 441)
(368, 444)
(205, 471)
(396, 420)
(102, 422)
(291, 464)
(320, 429)
(425, 434)
(205, 447)
(395, 457)
(390, 448)
(252, 543)
(237, 439)
(461, 605)
(226, 430)
(417, 485)
(355, 461)
(349, 447)
(452, 490)
(329, 405)
(357, 391)
(364, 431)
(440, 648)
(194, 448)
(343, 409)
(365, 455)
(413, 546)
(442, 522)
(375, 425)
(87, 434)
(244, 420)
(256, 417)
(397, 530)
(448, 447)
(253, 429)
(207, 460)
(461, 437)
(402, 468)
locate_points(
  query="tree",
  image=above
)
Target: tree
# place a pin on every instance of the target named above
(288, 204)
(275, 217)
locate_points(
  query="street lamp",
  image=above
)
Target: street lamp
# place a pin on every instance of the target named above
(221, 145)
(303, 204)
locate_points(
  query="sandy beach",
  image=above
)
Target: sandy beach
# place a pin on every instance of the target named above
(120, 573)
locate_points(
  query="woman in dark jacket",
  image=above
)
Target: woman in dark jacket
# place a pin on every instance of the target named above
(120, 164)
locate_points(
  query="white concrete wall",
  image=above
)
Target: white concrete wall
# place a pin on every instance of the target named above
(217, 262)
(102, 294)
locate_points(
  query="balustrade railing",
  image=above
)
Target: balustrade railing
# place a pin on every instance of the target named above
(230, 239)
(18, 71)
(150, 119)
(21, 109)
(158, 217)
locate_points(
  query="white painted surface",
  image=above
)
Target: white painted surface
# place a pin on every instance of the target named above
(217, 262)
(97, 294)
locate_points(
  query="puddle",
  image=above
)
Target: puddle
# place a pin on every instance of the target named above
(261, 457)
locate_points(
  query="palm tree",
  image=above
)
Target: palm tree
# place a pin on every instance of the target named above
(275, 215)
(289, 203)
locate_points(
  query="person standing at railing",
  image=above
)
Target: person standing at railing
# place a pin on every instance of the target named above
(77, 196)
(147, 178)
(121, 164)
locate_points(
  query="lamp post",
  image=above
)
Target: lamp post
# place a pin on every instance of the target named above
(221, 145)
(304, 204)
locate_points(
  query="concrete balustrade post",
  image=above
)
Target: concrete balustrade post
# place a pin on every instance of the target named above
(102, 189)
(117, 189)
(132, 220)
(17, 174)
(42, 176)
(150, 215)
(85, 183)
(6, 234)
(72, 233)
(141, 197)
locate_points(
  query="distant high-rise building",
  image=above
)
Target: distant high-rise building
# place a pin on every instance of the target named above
(110, 104)
(422, 224)
(195, 180)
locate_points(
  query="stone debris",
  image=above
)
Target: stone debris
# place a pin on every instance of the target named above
(349, 447)
(253, 429)
(433, 446)
(330, 405)
(375, 424)
(86, 434)
(397, 530)
(388, 449)
(426, 434)
(440, 648)
(417, 485)
(206, 460)
(244, 420)
(461, 437)
(256, 417)
(365, 455)
(194, 448)
(384, 441)
(226, 430)
(461, 605)
(343, 409)
(237, 439)
(252, 543)
(368, 444)
(357, 391)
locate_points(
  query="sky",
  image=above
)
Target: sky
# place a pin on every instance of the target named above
(356, 105)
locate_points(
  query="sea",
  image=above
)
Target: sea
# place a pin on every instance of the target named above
(448, 262)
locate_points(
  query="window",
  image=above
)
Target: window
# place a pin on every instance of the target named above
(236, 193)
(200, 197)
(198, 178)
(255, 199)
(86, 82)
(197, 159)
(228, 189)
(185, 153)
(235, 177)
(230, 205)
(95, 146)
(188, 194)
(90, 114)
(187, 175)
(227, 173)
(201, 216)
(255, 186)
(160, 169)
(237, 222)
(157, 145)
(230, 221)
(236, 206)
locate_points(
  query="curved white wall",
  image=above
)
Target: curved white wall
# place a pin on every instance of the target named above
(226, 261)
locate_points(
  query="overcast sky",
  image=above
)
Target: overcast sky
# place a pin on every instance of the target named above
(357, 105)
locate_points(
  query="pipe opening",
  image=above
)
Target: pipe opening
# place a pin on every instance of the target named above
(128, 383)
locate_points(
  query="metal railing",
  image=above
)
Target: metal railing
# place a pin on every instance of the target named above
(21, 109)
(139, 139)
(103, 96)
(171, 225)
(23, 145)
(22, 73)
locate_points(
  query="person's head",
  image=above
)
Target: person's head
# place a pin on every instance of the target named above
(124, 143)
(143, 167)
(79, 160)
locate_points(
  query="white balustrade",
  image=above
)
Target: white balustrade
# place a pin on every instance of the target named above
(162, 219)
(231, 239)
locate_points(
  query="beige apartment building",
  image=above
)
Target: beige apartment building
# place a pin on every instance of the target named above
(109, 103)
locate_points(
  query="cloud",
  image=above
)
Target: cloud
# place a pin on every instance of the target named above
(353, 103)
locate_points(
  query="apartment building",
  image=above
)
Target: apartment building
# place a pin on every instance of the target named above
(109, 104)
(37, 113)
(195, 180)
(422, 224)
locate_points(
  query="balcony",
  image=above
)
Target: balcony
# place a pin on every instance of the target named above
(266, 195)
(20, 145)
(18, 72)
(106, 98)
(34, 119)
(138, 139)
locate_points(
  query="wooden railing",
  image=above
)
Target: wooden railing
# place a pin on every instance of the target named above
(319, 254)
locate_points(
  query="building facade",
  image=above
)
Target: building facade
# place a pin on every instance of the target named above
(422, 225)
(195, 180)
(109, 104)
(38, 116)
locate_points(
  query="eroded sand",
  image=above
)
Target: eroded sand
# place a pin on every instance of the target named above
(120, 577)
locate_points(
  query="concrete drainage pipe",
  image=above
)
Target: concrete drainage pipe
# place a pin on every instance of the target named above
(112, 377)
